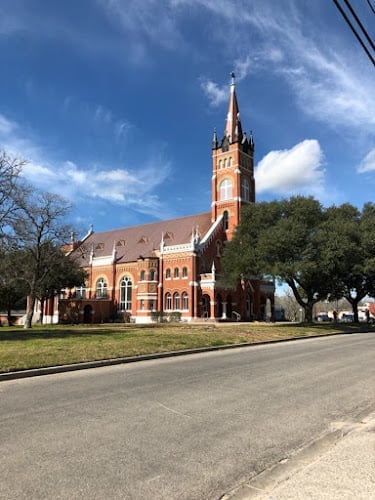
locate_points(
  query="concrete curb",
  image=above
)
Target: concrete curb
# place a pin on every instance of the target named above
(36, 372)
(266, 484)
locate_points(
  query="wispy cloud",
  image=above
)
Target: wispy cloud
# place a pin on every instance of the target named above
(124, 185)
(137, 21)
(6, 126)
(293, 171)
(216, 94)
(368, 163)
(99, 118)
(325, 86)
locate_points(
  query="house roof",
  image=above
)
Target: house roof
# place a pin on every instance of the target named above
(131, 243)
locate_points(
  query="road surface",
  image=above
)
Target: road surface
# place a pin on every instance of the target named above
(190, 427)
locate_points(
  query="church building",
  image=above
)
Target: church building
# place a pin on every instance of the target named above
(171, 268)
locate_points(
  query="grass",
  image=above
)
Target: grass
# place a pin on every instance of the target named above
(58, 345)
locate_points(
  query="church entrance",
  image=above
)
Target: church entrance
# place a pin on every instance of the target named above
(206, 306)
(87, 314)
(219, 306)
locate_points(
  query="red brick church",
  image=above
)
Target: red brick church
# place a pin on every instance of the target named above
(172, 267)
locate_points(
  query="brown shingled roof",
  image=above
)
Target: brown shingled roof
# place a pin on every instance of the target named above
(136, 241)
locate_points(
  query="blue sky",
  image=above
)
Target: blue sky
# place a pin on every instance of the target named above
(113, 102)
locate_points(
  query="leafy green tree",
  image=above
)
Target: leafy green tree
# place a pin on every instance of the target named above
(280, 239)
(242, 256)
(347, 237)
(339, 235)
(13, 287)
(64, 273)
(367, 228)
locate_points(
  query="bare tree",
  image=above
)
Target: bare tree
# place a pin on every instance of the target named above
(290, 305)
(10, 187)
(40, 231)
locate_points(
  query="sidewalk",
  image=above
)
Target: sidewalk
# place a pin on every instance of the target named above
(339, 466)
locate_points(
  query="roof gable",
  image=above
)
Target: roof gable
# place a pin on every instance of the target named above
(132, 242)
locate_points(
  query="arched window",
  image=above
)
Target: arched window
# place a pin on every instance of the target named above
(226, 190)
(126, 286)
(225, 163)
(245, 190)
(101, 288)
(143, 275)
(185, 301)
(184, 272)
(168, 274)
(168, 301)
(152, 275)
(81, 292)
(220, 163)
(176, 272)
(176, 301)
(226, 220)
(230, 161)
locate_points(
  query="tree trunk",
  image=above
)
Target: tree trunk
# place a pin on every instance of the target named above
(30, 311)
(354, 303)
(309, 312)
(9, 316)
(42, 302)
(355, 310)
(307, 306)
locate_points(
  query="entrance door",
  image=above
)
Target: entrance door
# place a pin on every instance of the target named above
(206, 306)
(87, 314)
(219, 306)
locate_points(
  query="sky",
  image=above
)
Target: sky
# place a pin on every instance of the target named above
(113, 103)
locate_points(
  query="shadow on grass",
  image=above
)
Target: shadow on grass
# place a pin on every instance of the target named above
(61, 331)
(333, 327)
(31, 334)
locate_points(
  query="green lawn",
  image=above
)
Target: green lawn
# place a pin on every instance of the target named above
(58, 345)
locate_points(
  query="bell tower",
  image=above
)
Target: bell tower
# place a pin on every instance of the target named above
(233, 182)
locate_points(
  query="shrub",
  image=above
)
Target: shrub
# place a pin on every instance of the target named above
(174, 317)
(158, 316)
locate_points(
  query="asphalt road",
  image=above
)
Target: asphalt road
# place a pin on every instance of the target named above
(191, 427)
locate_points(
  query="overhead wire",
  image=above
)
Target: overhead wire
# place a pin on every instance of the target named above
(347, 20)
(371, 6)
(360, 24)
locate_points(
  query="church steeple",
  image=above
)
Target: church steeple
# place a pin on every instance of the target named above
(233, 127)
(233, 182)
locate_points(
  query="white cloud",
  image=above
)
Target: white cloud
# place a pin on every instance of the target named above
(368, 163)
(332, 82)
(126, 186)
(120, 186)
(122, 129)
(102, 114)
(293, 171)
(216, 95)
(6, 126)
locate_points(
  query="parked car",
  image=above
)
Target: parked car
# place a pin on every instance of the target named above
(347, 318)
(323, 317)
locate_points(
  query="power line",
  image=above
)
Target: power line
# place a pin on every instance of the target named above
(360, 24)
(371, 7)
(342, 12)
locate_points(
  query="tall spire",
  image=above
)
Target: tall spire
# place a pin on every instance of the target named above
(233, 128)
(214, 140)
